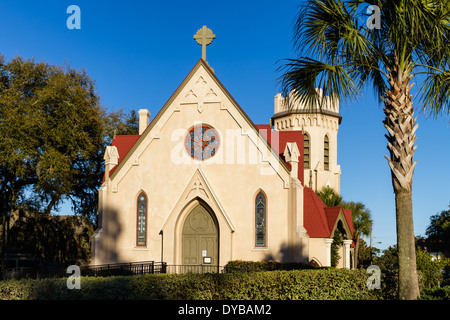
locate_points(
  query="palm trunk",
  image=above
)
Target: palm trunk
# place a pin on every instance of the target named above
(408, 282)
(400, 123)
(356, 253)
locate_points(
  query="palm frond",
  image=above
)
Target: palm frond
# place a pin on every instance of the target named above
(434, 48)
(326, 30)
(435, 92)
(302, 76)
(338, 53)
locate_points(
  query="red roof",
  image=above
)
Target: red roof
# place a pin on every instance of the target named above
(318, 219)
(283, 138)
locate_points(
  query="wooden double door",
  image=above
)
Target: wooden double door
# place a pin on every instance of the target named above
(200, 241)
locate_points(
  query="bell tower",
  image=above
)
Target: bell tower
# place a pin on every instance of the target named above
(320, 128)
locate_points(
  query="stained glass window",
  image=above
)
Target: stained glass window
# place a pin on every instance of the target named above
(202, 142)
(141, 237)
(260, 220)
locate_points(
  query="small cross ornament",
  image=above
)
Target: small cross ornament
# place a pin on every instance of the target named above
(204, 36)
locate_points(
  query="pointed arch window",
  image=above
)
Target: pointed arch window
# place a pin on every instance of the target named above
(326, 153)
(260, 220)
(306, 151)
(141, 221)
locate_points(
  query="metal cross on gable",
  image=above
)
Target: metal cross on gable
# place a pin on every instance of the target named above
(204, 36)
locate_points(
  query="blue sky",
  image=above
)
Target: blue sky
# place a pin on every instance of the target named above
(138, 52)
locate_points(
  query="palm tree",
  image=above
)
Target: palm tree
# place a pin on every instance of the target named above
(341, 50)
(362, 223)
(330, 197)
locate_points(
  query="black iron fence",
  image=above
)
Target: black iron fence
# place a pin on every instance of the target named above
(60, 270)
(132, 268)
(114, 269)
(137, 268)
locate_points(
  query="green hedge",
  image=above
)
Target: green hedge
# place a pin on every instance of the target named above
(436, 294)
(248, 266)
(329, 284)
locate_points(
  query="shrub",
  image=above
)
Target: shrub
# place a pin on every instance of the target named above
(435, 272)
(436, 294)
(16, 289)
(330, 284)
(249, 266)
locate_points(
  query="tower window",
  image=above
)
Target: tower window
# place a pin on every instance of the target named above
(306, 151)
(326, 153)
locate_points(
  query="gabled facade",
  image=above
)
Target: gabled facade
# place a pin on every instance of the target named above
(201, 184)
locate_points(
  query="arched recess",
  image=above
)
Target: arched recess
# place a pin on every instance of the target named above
(197, 191)
(198, 236)
(343, 228)
(341, 254)
(315, 262)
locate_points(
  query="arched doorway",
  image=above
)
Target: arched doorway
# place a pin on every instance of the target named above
(200, 241)
(341, 253)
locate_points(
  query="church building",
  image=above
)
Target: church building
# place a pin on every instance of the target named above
(201, 184)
